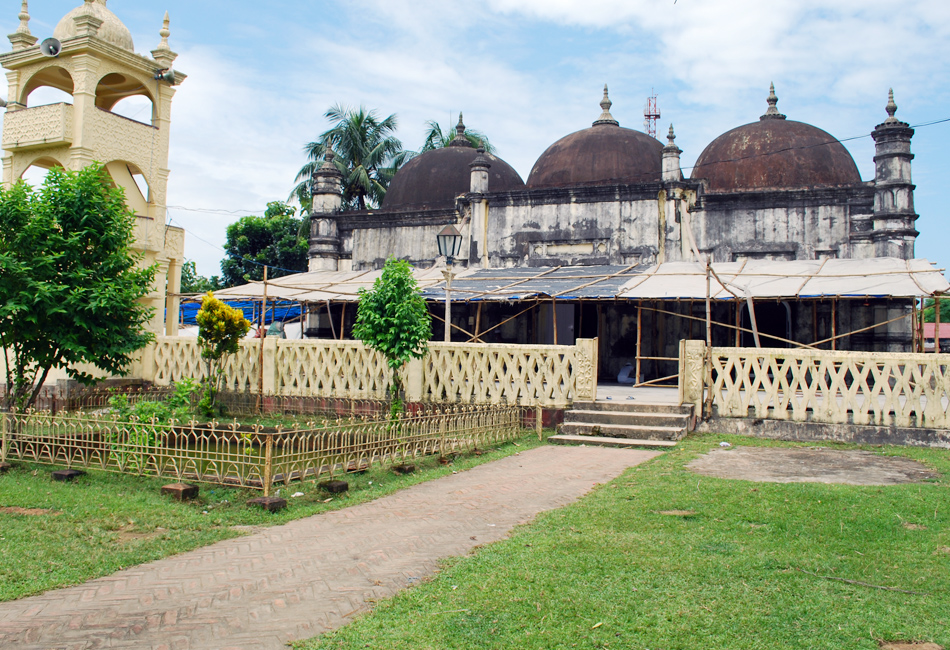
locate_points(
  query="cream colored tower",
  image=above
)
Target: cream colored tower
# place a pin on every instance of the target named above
(98, 66)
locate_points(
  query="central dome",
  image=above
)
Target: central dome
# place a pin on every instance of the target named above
(112, 29)
(434, 179)
(601, 155)
(775, 154)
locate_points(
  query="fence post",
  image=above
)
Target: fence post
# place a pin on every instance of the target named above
(268, 463)
(585, 370)
(414, 382)
(269, 368)
(538, 427)
(691, 375)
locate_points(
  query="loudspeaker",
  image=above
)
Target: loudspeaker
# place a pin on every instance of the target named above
(51, 47)
(168, 76)
(3, 103)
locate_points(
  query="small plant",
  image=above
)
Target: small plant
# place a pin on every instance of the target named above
(220, 329)
(392, 318)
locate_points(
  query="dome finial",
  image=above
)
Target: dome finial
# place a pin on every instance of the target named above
(24, 17)
(605, 116)
(772, 112)
(671, 137)
(891, 108)
(460, 140)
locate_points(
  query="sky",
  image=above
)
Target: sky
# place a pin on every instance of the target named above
(526, 73)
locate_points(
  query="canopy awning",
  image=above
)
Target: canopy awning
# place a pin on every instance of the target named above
(871, 278)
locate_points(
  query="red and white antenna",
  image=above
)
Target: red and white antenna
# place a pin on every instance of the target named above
(651, 115)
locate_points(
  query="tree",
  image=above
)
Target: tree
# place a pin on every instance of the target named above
(930, 313)
(436, 138)
(69, 282)
(191, 282)
(392, 318)
(368, 154)
(277, 240)
(220, 330)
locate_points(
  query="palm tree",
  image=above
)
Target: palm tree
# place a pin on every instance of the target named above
(367, 154)
(436, 138)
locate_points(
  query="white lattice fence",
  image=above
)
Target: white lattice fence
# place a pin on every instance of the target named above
(470, 373)
(177, 358)
(331, 369)
(886, 389)
(547, 375)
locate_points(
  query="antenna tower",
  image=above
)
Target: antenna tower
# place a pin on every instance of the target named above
(651, 115)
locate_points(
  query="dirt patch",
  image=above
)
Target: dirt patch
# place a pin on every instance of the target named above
(909, 645)
(31, 512)
(810, 465)
(126, 535)
(678, 513)
(910, 526)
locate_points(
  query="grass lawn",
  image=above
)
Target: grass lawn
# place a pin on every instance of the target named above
(614, 571)
(105, 522)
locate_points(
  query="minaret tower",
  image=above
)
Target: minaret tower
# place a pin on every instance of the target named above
(894, 232)
(95, 62)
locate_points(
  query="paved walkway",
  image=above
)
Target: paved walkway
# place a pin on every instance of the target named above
(312, 575)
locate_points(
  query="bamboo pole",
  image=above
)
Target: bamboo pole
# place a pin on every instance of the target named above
(834, 324)
(342, 319)
(260, 358)
(738, 320)
(554, 316)
(708, 304)
(755, 326)
(936, 323)
(915, 341)
(268, 463)
(639, 337)
(478, 319)
(330, 318)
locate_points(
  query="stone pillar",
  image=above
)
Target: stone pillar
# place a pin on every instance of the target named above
(691, 374)
(478, 229)
(585, 370)
(326, 195)
(894, 232)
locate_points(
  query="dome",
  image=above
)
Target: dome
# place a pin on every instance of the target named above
(603, 154)
(112, 30)
(434, 179)
(776, 154)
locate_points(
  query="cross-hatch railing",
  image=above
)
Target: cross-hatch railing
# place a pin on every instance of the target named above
(250, 456)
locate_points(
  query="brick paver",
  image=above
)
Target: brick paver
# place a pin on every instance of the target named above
(312, 575)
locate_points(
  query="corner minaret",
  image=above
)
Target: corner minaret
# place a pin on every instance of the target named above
(894, 232)
(326, 193)
(98, 68)
(671, 159)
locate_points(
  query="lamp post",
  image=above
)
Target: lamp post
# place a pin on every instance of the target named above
(450, 244)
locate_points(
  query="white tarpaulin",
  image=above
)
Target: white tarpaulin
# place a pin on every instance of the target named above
(320, 286)
(877, 277)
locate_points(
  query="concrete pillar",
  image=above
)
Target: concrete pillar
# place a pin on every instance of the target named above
(172, 300)
(672, 172)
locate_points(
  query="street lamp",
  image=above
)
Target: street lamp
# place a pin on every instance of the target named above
(450, 245)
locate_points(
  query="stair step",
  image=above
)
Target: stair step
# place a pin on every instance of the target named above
(633, 431)
(600, 441)
(628, 418)
(633, 406)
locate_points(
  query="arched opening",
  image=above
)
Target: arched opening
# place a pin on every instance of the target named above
(36, 173)
(125, 96)
(52, 85)
(131, 179)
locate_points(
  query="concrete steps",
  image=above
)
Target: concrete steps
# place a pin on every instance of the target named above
(624, 424)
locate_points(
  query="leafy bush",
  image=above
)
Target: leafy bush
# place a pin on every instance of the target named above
(220, 329)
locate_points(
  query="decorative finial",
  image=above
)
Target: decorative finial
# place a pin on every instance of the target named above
(772, 112)
(328, 155)
(605, 116)
(24, 17)
(460, 140)
(671, 138)
(164, 32)
(891, 108)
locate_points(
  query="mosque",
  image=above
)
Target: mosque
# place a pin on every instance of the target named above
(608, 239)
(773, 241)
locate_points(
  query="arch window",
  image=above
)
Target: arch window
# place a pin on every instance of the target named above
(52, 85)
(125, 96)
(36, 173)
(131, 179)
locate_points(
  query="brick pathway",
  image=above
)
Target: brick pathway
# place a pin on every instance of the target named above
(312, 575)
